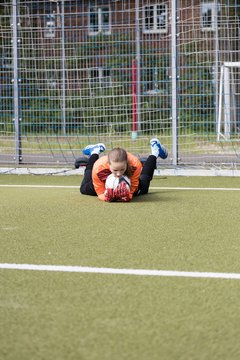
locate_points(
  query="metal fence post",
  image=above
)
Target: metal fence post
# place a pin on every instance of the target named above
(63, 68)
(174, 79)
(215, 22)
(138, 58)
(16, 82)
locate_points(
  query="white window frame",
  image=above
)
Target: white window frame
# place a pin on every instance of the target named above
(155, 29)
(99, 12)
(215, 10)
(103, 81)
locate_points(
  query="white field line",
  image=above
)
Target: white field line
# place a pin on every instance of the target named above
(112, 271)
(151, 187)
(41, 186)
(193, 188)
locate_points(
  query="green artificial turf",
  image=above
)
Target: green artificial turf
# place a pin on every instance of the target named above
(65, 316)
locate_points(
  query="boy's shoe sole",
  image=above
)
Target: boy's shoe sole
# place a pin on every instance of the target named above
(163, 153)
(89, 149)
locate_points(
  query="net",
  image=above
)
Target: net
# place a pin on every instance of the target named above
(102, 72)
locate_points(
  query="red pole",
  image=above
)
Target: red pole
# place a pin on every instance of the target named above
(134, 99)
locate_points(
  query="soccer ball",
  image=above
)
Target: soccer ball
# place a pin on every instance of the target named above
(112, 182)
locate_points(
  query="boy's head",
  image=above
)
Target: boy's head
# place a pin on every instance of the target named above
(117, 159)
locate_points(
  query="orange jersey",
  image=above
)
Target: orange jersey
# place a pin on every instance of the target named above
(101, 170)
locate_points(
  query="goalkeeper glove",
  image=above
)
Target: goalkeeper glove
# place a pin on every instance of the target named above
(122, 193)
(109, 195)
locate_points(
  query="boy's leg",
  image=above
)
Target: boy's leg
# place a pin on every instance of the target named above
(93, 151)
(147, 174)
(87, 187)
(158, 150)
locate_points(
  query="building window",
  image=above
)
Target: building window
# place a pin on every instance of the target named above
(100, 77)
(155, 19)
(155, 80)
(210, 13)
(49, 26)
(6, 61)
(99, 20)
(150, 80)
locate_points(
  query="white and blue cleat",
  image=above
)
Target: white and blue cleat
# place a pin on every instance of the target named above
(94, 149)
(158, 149)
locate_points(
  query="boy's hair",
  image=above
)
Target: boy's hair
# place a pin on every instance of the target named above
(117, 155)
(120, 155)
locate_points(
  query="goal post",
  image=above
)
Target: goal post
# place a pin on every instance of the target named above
(228, 121)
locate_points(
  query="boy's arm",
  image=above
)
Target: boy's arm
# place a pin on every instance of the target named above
(99, 187)
(99, 176)
(101, 197)
(135, 177)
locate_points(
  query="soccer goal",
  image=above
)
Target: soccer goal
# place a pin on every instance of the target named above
(228, 124)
